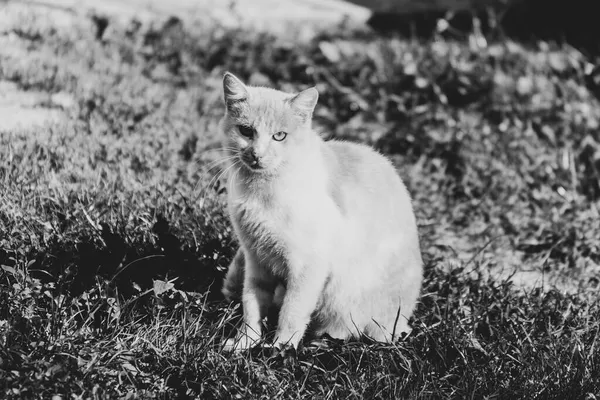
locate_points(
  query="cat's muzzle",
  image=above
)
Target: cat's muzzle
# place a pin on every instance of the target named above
(251, 160)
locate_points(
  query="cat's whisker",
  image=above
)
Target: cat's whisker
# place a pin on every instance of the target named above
(202, 169)
(220, 149)
(233, 178)
(214, 180)
(212, 165)
(235, 164)
(225, 153)
(200, 180)
(226, 171)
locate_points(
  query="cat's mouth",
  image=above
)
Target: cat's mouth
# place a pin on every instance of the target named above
(255, 167)
(252, 164)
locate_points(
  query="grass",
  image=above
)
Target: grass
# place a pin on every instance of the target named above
(114, 238)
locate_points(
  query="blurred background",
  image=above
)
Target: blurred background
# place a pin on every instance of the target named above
(114, 236)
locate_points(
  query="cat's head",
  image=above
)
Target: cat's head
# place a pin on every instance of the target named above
(265, 128)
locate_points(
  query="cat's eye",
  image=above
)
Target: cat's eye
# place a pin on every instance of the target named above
(279, 136)
(246, 131)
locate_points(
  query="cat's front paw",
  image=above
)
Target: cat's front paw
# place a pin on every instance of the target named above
(240, 343)
(283, 342)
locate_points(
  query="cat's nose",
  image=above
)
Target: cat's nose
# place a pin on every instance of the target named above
(253, 158)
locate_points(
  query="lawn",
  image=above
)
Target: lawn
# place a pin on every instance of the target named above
(114, 238)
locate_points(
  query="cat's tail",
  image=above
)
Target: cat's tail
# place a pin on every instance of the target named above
(278, 295)
(233, 284)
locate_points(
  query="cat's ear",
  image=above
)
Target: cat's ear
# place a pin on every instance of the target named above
(304, 103)
(234, 90)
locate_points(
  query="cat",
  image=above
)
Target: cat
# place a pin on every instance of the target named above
(326, 229)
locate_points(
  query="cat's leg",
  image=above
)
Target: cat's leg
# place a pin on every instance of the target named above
(257, 296)
(278, 296)
(390, 321)
(234, 279)
(304, 288)
(389, 331)
(402, 307)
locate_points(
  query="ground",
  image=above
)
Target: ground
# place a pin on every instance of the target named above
(114, 239)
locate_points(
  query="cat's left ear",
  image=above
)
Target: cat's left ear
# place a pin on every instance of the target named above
(234, 91)
(304, 103)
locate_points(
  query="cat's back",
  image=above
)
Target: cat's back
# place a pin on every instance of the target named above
(366, 187)
(353, 164)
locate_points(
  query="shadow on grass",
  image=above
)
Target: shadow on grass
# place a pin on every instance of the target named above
(132, 267)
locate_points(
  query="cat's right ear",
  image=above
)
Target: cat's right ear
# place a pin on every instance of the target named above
(234, 91)
(304, 103)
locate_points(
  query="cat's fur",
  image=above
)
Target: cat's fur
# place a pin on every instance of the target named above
(326, 229)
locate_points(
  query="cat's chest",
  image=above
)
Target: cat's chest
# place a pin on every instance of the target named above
(282, 218)
(262, 228)
(262, 214)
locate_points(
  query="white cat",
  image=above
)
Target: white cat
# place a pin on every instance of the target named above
(326, 229)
